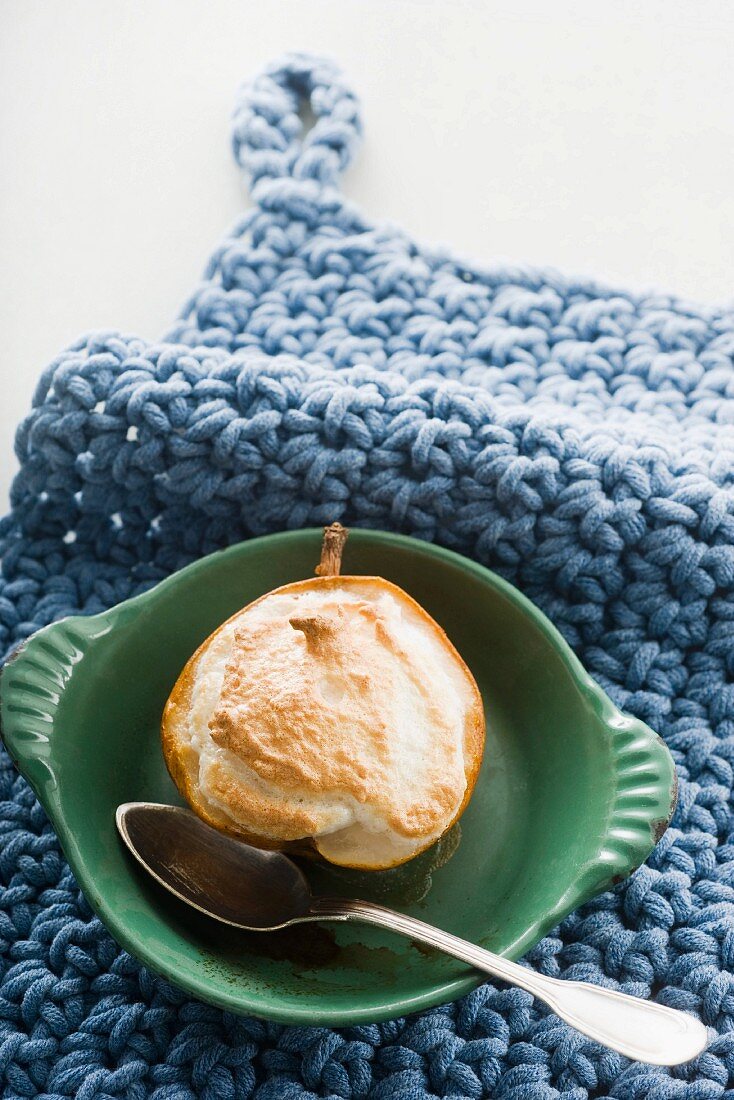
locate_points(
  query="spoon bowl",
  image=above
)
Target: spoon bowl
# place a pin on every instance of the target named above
(245, 887)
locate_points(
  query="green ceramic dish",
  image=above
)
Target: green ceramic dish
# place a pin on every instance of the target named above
(571, 797)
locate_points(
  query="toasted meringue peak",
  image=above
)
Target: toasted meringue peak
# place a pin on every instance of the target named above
(333, 711)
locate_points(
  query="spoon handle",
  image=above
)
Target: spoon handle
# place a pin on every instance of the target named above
(642, 1030)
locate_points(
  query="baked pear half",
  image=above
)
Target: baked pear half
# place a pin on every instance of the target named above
(330, 716)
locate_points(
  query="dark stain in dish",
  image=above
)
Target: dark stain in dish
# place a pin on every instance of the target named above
(305, 946)
(358, 956)
(425, 949)
(310, 954)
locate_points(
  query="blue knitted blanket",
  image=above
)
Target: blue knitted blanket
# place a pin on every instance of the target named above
(576, 438)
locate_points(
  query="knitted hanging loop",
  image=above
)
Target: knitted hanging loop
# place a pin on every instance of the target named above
(268, 135)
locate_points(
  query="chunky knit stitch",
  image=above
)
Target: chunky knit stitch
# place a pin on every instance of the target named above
(576, 438)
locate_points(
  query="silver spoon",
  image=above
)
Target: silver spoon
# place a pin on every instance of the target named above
(263, 891)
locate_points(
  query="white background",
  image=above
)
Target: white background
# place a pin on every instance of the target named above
(595, 137)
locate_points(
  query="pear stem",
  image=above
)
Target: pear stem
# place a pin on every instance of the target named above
(331, 550)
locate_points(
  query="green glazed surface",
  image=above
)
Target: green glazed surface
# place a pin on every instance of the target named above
(572, 794)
